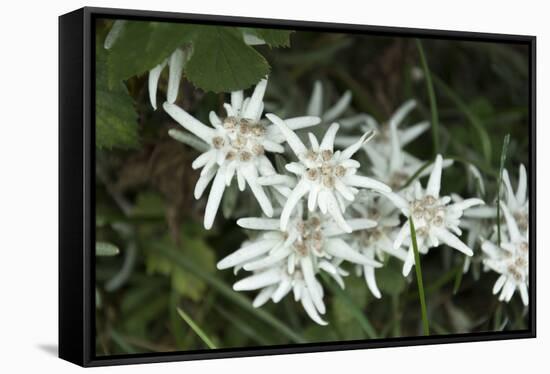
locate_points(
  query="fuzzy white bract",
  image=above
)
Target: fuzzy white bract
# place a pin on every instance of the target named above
(436, 220)
(328, 178)
(175, 63)
(510, 260)
(236, 146)
(290, 260)
(518, 202)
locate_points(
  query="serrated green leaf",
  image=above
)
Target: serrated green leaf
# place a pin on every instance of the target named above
(142, 45)
(273, 37)
(222, 62)
(106, 249)
(116, 116)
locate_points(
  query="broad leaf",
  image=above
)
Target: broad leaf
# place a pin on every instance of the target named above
(274, 38)
(116, 116)
(143, 45)
(222, 62)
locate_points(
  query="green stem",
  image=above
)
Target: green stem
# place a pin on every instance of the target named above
(419, 281)
(196, 328)
(431, 96)
(502, 162)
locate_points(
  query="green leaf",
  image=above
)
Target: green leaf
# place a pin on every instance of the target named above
(142, 45)
(106, 249)
(116, 116)
(505, 143)
(273, 37)
(222, 62)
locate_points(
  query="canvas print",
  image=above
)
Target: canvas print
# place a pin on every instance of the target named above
(263, 187)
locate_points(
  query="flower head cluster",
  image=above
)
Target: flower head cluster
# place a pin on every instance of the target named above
(329, 178)
(510, 259)
(287, 260)
(236, 146)
(435, 218)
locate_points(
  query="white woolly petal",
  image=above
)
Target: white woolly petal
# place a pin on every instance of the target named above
(328, 138)
(340, 249)
(247, 253)
(434, 183)
(282, 290)
(409, 262)
(250, 174)
(277, 179)
(271, 146)
(268, 261)
(297, 123)
(365, 182)
(338, 108)
(511, 197)
(331, 229)
(263, 297)
(310, 308)
(511, 224)
(295, 168)
(268, 224)
(412, 132)
(214, 198)
(451, 240)
(203, 159)
(214, 119)
(175, 70)
(313, 142)
(521, 194)
(153, 82)
(203, 182)
(256, 100)
(292, 139)
(352, 149)
(189, 122)
(311, 283)
(259, 280)
(401, 113)
(498, 284)
(315, 105)
(333, 209)
(371, 281)
(312, 198)
(297, 193)
(465, 204)
(237, 100)
(524, 294)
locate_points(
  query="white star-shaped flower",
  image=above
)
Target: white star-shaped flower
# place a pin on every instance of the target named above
(282, 260)
(328, 178)
(236, 146)
(510, 260)
(381, 146)
(436, 220)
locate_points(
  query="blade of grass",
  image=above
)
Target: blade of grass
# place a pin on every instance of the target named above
(418, 269)
(196, 328)
(227, 292)
(474, 120)
(501, 169)
(358, 314)
(431, 96)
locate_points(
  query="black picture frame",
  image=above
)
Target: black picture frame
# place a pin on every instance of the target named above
(77, 176)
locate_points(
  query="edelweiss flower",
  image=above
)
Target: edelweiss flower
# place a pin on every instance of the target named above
(510, 260)
(175, 63)
(434, 218)
(237, 145)
(315, 105)
(382, 144)
(518, 203)
(285, 260)
(328, 178)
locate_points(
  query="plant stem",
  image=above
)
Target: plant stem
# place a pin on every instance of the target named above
(502, 161)
(418, 269)
(431, 96)
(200, 333)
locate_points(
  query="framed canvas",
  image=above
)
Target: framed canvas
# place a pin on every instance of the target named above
(236, 186)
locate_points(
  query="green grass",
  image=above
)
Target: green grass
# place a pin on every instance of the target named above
(196, 328)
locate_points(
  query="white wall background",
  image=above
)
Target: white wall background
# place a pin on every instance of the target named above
(28, 183)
